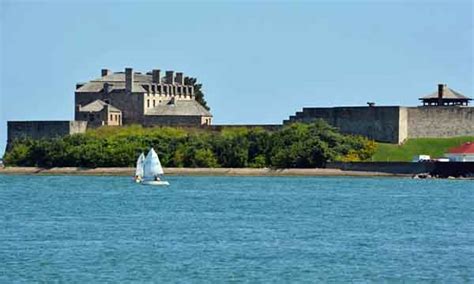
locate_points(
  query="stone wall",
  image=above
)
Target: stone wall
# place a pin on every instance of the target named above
(268, 127)
(100, 118)
(131, 105)
(394, 124)
(43, 129)
(384, 167)
(403, 125)
(378, 123)
(440, 121)
(441, 169)
(114, 118)
(161, 120)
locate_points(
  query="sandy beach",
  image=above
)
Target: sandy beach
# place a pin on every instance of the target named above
(191, 171)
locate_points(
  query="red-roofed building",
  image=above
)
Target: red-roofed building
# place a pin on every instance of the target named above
(463, 153)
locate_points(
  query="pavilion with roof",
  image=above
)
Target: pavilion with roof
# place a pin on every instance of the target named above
(445, 97)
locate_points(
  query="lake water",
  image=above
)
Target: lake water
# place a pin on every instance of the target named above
(235, 229)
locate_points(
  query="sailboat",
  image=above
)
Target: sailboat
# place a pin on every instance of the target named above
(152, 170)
(139, 169)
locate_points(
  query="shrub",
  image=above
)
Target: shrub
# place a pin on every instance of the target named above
(297, 145)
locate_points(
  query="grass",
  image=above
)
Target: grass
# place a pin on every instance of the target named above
(435, 147)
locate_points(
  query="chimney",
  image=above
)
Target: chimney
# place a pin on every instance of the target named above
(440, 94)
(128, 80)
(169, 77)
(105, 72)
(106, 88)
(156, 76)
(179, 78)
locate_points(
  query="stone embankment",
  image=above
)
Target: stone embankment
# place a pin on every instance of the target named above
(194, 171)
(433, 169)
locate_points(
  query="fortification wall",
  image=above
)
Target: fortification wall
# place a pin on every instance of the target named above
(42, 129)
(402, 125)
(183, 120)
(378, 123)
(440, 121)
(268, 127)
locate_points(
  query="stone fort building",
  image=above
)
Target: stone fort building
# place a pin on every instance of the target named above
(444, 113)
(129, 97)
(150, 99)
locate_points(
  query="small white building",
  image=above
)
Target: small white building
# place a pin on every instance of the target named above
(463, 153)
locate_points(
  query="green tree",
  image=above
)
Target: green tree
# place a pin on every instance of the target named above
(205, 158)
(198, 93)
(231, 147)
(297, 145)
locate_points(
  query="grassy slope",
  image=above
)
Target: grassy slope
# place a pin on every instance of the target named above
(435, 147)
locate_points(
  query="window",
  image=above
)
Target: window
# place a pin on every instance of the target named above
(111, 117)
(116, 117)
(91, 117)
(153, 103)
(147, 103)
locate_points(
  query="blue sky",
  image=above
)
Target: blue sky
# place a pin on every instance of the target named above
(259, 62)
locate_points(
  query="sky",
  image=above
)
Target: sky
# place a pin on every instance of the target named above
(259, 61)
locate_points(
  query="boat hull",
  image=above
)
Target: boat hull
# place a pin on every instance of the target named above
(155, 182)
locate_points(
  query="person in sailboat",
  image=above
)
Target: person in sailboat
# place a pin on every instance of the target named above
(152, 170)
(138, 178)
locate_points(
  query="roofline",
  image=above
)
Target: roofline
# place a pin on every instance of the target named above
(463, 99)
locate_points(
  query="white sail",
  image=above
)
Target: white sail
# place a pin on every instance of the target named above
(152, 165)
(140, 164)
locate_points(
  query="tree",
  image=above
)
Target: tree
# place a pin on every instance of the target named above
(198, 93)
(294, 146)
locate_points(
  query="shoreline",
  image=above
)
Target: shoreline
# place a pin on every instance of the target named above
(196, 172)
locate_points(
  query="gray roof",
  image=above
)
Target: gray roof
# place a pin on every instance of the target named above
(97, 106)
(117, 82)
(120, 77)
(447, 94)
(179, 107)
(93, 87)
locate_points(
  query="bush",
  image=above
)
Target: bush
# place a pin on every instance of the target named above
(293, 146)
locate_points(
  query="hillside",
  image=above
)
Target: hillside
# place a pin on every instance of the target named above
(435, 147)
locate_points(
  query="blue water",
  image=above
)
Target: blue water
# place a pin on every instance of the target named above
(235, 229)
